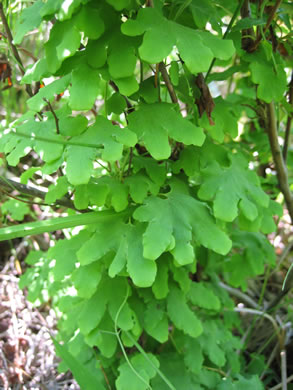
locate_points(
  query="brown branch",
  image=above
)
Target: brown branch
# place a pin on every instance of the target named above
(269, 21)
(280, 165)
(54, 115)
(130, 107)
(289, 121)
(168, 83)
(13, 47)
(34, 192)
(21, 200)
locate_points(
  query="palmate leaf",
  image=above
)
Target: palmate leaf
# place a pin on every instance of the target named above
(138, 380)
(85, 87)
(162, 34)
(102, 132)
(154, 123)
(181, 315)
(268, 73)
(86, 378)
(224, 120)
(63, 42)
(89, 22)
(201, 295)
(174, 223)
(15, 209)
(125, 241)
(156, 321)
(30, 18)
(232, 188)
(37, 102)
(250, 261)
(121, 56)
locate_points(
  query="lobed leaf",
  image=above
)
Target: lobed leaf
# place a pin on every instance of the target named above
(154, 123)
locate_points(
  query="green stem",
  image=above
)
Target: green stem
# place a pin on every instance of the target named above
(159, 372)
(50, 225)
(226, 33)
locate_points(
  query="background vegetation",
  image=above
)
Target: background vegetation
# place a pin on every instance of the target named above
(146, 155)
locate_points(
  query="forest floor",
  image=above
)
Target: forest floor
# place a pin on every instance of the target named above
(27, 355)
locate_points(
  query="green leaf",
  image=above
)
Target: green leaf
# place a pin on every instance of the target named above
(108, 238)
(120, 258)
(167, 33)
(79, 164)
(86, 279)
(211, 339)
(89, 319)
(203, 12)
(139, 187)
(250, 262)
(106, 339)
(67, 9)
(35, 72)
(72, 125)
(181, 315)
(102, 132)
(48, 151)
(119, 310)
(119, 4)
(148, 90)
(156, 322)
(183, 218)
(121, 57)
(265, 75)
(247, 23)
(15, 209)
(230, 188)
(116, 104)
(160, 287)
(50, 7)
(96, 53)
(127, 85)
(36, 103)
(202, 296)
(64, 254)
(63, 42)
(193, 357)
(154, 123)
(89, 22)
(85, 88)
(85, 378)
(268, 74)
(155, 170)
(173, 367)
(141, 270)
(225, 120)
(30, 19)
(181, 275)
(174, 73)
(138, 376)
